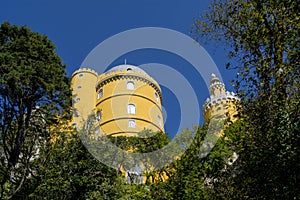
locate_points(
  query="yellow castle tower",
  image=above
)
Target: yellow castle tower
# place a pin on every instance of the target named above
(83, 83)
(220, 101)
(125, 100)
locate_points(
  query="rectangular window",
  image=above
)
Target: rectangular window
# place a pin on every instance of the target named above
(99, 115)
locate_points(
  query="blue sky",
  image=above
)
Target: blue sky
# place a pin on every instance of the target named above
(76, 27)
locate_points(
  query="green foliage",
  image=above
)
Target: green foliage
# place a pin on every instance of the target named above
(33, 88)
(194, 174)
(70, 172)
(146, 141)
(263, 41)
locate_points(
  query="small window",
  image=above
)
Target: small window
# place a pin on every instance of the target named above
(80, 75)
(159, 120)
(131, 123)
(129, 69)
(99, 115)
(131, 109)
(77, 100)
(79, 87)
(156, 96)
(74, 125)
(100, 93)
(75, 113)
(130, 85)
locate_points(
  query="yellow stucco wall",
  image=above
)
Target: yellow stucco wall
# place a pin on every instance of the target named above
(114, 120)
(220, 107)
(116, 98)
(83, 89)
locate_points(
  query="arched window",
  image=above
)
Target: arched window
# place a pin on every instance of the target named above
(80, 75)
(131, 123)
(131, 109)
(100, 93)
(77, 100)
(79, 87)
(130, 85)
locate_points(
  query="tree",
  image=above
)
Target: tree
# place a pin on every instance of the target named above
(71, 172)
(33, 89)
(263, 41)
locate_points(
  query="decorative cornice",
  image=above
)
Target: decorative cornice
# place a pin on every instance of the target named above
(106, 78)
(136, 118)
(217, 84)
(211, 102)
(85, 70)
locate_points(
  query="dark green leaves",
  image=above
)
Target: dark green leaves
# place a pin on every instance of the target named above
(33, 90)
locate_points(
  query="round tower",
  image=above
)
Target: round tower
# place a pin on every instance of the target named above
(128, 101)
(83, 84)
(220, 101)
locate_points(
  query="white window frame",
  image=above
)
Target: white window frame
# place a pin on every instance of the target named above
(131, 123)
(129, 87)
(100, 93)
(99, 115)
(131, 109)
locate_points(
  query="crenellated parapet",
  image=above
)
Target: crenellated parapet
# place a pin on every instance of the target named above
(127, 72)
(85, 70)
(220, 101)
(125, 100)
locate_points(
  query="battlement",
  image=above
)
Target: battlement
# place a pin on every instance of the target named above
(220, 99)
(127, 71)
(85, 70)
(217, 85)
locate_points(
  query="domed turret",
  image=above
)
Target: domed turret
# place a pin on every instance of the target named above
(127, 68)
(125, 100)
(129, 101)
